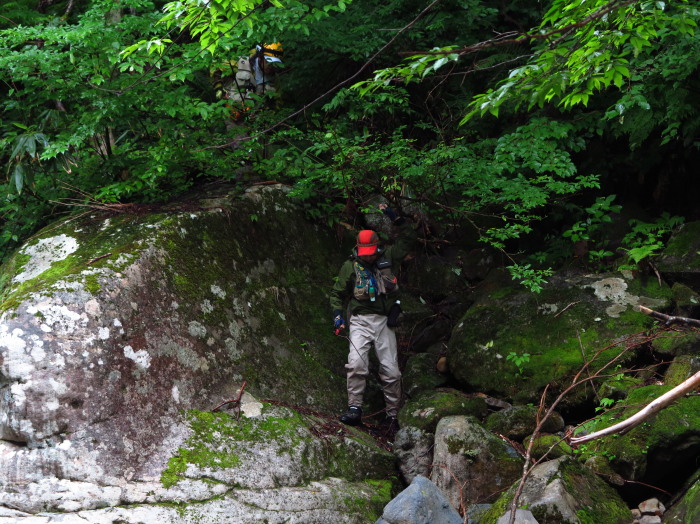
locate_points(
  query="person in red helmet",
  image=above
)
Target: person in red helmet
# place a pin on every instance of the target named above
(368, 283)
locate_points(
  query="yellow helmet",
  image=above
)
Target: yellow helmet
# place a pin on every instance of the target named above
(271, 52)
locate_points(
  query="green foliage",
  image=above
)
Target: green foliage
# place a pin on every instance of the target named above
(518, 360)
(605, 404)
(647, 239)
(531, 278)
(591, 230)
(514, 178)
(75, 116)
(584, 48)
(116, 102)
(233, 24)
(598, 215)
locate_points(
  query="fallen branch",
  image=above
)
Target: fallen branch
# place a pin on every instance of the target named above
(668, 319)
(567, 307)
(97, 258)
(576, 381)
(651, 408)
(236, 401)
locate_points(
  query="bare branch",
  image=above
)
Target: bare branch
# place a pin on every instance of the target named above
(235, 401)
(514, 37)
(668, 319)
(653, 407)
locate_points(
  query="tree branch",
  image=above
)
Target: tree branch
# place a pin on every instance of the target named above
(651, 408)
(235, 401)
(668, 319)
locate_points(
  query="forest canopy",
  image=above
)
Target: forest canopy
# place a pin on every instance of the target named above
(550, 130)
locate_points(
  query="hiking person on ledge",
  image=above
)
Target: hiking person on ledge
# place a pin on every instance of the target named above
(367, 279)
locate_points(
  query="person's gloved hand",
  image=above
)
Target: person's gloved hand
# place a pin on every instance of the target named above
(393, 316)
(338, 321)
(391, 214)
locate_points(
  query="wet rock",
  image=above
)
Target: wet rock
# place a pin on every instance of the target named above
(511, 343)
(516, 422)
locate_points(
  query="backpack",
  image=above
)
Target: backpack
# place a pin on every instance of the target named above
(369, 284)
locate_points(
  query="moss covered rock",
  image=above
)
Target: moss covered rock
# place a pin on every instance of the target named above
(661, 449)
(672, 343)
(279, 447)
(547, 445)
(517, 422)
(686, 300)
(681, 369)
(512, 343)
(421, 374)
(679, 261)
(562, 491)
(687, 509)
(114, 326)
(470, 464)
(618, 387)
(427, 408)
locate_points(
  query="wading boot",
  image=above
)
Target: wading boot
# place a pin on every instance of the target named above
(352, 417)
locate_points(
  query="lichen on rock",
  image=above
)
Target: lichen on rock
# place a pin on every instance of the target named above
(113, 328)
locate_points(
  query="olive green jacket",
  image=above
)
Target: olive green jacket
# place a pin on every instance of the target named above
(343, 288)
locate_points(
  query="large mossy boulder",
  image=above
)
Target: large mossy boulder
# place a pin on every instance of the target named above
(511, 343)
(114, 326)
(517, 422)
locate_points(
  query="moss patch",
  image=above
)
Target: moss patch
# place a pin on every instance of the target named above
(371, 508)
(671, 434)
(427, 408)
(219, 442)
(513, 348)
(593, 500)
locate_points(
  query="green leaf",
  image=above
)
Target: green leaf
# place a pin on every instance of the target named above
(18, 177)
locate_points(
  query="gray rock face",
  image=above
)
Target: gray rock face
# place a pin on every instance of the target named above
(317, 503)
(113, 328)
(414, 451)
(470, 464)
(522, 516)
(420, 503)
(564, 491)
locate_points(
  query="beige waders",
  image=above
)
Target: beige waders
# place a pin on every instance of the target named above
(365, 329)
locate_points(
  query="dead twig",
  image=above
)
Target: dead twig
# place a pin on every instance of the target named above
(236, 401)
(668, 319)
(567, 307)
(97, 258)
